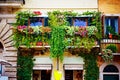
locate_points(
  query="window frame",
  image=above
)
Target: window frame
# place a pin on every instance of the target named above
(105, 27)
(85, 18)
(104, 65)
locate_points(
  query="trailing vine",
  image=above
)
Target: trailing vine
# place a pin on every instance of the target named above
(25, 65)
(57, 21)
(57, 42)
(96, 21)
(24, 38)
(90, 67)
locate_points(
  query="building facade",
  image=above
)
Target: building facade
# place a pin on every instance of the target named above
(111, 17)
(72, 67)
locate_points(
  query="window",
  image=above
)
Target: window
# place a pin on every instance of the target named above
(111, 25)
(42, 75)
(68, 74)
(36, 21)
(110, 72)
(82, 21)
(110, 68)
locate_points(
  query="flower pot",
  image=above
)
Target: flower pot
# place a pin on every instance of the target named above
(39, 44)
(110, 36)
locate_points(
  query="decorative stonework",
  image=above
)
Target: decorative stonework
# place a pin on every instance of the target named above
(9, 52)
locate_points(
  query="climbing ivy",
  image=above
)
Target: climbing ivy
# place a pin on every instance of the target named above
(25, 66)
(96, 21)
(57, 42)
(90, 67)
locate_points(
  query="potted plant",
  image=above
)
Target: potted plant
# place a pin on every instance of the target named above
(92, 30)
(107, 55)
(112, 47)
(111, 31)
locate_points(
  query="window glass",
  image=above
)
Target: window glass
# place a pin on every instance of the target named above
(80, 22)
(111, 77)
(110, 68)
(111, 73)
(111, 25)
(68, 74)
(36, 21)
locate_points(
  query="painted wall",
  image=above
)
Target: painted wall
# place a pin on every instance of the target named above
(109, 6)
(61, 4)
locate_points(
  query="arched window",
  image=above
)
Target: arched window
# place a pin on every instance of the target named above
(110, 72)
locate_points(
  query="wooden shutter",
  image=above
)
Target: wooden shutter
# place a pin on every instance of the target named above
(102, 20)
(119, 24)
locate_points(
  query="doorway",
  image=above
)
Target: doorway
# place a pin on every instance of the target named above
(42, 75)
(73, 74)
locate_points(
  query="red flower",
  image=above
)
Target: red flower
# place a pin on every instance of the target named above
(37, 12)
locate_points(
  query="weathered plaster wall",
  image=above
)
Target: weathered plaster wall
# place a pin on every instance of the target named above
(109, 6)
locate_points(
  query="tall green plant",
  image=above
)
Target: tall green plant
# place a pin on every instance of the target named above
(90, 67)
(57, 42)
(25, 66)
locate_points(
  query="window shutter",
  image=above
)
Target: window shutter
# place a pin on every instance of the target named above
(102, 20)
(119, 25)
(45, 21)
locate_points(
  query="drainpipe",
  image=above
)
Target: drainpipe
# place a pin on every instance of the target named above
(57, 62)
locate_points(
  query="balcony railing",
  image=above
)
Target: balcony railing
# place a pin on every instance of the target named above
(12, 1)
(105, 42)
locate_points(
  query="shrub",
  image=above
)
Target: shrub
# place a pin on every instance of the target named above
(112, 47)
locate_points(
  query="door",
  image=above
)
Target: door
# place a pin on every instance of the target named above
(46, 75)
(42, 75)
(68, 74)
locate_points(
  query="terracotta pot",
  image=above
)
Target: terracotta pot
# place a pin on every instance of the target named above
(39, 44)
(110, 36)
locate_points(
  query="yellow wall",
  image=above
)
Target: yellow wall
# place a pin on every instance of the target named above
(109, 6)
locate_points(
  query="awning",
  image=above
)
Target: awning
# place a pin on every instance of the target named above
(4, 62)
(73, 63)
(42, 67)
(73, 66)
(42, 63)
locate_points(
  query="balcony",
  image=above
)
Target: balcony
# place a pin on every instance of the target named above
(11, 3)
(106, 42)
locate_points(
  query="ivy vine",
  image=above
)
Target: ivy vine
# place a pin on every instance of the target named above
(25, 66)
(90, 67)
(57, 42)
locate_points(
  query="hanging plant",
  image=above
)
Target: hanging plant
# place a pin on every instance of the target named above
(57, 42)
(107, 55)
